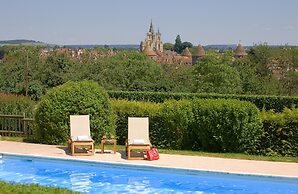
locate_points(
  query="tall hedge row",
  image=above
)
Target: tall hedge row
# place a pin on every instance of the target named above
(16, 105)
(280, 133)
(175, 128)
(226, 125)
(124, 109)
(200, 124)
(277, 103)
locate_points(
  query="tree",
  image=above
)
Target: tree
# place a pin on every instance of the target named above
(261, 55)
(15, 70)
(186, 44)
(178, 44)
(251, 82)
(1, 53)
(290, 83)
(180, 77)
(168, 46)
(212, 75)
(127, 70)
(55, 69)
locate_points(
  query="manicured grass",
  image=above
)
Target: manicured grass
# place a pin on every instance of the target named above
(231, 155)
(193, 153)
(12, 188)
(18, 139)
(218, 155)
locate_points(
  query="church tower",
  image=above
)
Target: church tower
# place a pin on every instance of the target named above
(158, 42)
(152, 41)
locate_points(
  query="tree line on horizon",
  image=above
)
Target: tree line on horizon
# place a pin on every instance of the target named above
(24, 71)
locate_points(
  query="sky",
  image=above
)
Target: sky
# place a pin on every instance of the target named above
(127, 21)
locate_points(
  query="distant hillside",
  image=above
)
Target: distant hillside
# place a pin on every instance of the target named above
(34, 42)
(118, 46)
(124, 46)
(21, 42)
(221, 46)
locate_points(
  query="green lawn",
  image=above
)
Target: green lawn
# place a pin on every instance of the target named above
(18, 139)
(12, 188)
(194, 153)
(231, 155)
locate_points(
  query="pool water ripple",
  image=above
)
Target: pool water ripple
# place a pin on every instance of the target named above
(90, 177)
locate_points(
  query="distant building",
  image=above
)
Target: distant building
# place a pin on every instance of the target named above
(149, 51)
(186, 56)
(199, 53)
(152, 41)
(79, 53)
(240, 52)
(280, 69)
(152, 46)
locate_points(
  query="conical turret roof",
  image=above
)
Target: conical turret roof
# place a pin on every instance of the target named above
(239, 51)
(186, 52)
(200, 51)
(148, 51)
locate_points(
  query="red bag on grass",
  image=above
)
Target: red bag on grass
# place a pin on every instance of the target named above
(152, 154)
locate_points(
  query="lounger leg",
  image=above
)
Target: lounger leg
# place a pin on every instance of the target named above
(128, 153)
(114, 147)
(69, 146)
(92, 149)
(102, 147)
(72, 149)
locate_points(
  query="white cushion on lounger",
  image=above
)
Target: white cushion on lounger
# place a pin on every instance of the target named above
(138, 141)
(83, 138)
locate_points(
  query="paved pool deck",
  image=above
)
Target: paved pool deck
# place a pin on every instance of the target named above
(284, 169)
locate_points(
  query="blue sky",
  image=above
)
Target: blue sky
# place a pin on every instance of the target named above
(127, 21)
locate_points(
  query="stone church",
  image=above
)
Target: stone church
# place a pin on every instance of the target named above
(152, 46)
(152, 42)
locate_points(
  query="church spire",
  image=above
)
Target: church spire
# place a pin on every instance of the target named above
(158, 31)
(151, 28)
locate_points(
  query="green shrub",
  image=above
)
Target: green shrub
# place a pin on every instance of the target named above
(73, 98)
(280, 133)
(200, 124)
(167, 121)
(12, 188)
(16, 105)
(226, 125)
(176, 118)
(125, 109)
(278, 103)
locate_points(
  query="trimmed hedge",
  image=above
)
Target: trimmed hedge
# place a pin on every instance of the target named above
(124, 109)
(277, 103)
(225, 125)
(175, 125)
(280, 133)
(200, 124)
(16, 105)
(73, 98)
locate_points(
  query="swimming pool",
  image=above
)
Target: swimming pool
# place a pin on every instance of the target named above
(101, 177)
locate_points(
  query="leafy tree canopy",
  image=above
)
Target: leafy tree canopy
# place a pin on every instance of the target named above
(212, 75)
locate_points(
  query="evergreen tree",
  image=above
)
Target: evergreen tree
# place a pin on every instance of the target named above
(178, 44)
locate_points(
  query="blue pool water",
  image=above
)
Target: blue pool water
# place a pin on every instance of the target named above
(98, 177)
